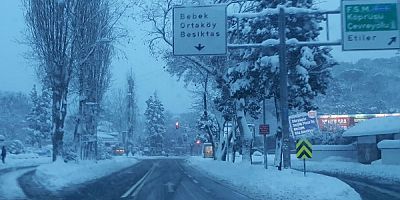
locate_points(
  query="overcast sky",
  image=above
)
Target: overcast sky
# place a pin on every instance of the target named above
(16, 73)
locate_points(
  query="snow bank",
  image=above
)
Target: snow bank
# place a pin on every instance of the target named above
(334, 147)
(375, 126)
(376, 171)
(274, 184)
(23, 156)
(23, 160)
(389, 144)
(55, 176)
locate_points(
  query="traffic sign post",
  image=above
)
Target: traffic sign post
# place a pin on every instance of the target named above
(304, 151)
(199, 30)
(264, 130)
(370, 24)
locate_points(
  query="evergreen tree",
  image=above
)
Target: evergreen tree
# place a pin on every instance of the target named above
(39, 118)
(32, 118)
(256, 73)
(45, 113)
(155, 122)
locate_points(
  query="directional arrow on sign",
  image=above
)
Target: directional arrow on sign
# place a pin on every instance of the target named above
(392, 40)
(304, 149)
(199, 47)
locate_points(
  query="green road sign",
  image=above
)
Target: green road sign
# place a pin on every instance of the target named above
(303, 149)
(371, 17)
(370, 24)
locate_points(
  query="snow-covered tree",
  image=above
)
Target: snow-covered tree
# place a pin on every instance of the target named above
(208, 123)
(93, 53)
(131, 111)
(256, 74)
(155, 122)
(252, 74)
(51, 44)
(14, 108)
(369, 91)
(72, 38)
(115, 109)
(16, 147)
(39, 118)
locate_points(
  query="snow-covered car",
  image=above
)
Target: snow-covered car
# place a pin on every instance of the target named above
(257, 158)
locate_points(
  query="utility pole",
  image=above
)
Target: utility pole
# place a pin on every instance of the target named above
(283, 97)
(130, 97)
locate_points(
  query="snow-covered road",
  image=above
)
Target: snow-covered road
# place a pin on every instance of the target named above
(9, 186)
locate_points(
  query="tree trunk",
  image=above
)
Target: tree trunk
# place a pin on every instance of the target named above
(278, 135)
(222, 148)
(245, 135)
(59, 110)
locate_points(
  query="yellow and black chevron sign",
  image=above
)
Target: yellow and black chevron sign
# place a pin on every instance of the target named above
(303, 149)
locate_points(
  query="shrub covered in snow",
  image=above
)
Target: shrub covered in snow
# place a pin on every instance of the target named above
(329, 138)
(15, 147)
(103, 151)
(69, 153)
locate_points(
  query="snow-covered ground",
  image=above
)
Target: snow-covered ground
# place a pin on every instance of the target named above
(376, 170)
(22, 160)
(9, 187)
(55, 176)
(274, 184)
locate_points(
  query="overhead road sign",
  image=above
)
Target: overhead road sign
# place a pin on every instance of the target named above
(303, 149)
(370, 24)
(199, 30)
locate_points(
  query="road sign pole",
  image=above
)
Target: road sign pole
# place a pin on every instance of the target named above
(265, 137)
(398, 20)
(284, 90)
(303, 151)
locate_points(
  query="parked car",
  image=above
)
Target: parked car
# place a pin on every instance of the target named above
(118, 151)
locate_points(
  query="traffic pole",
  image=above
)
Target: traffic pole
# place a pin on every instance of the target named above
(265, 137)
(283, 72)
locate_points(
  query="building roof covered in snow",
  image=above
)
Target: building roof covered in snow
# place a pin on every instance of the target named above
(375, 126)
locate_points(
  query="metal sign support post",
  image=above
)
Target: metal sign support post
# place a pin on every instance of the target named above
(227, 142)
(304, 162)
(265, 137)
(283, 95)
